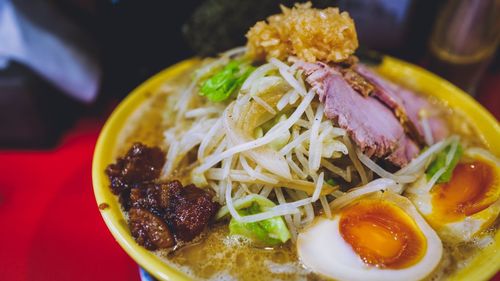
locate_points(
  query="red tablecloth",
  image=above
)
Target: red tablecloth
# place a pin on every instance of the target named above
(51, 228)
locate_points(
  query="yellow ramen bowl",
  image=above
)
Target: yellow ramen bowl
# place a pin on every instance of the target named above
(482, 267)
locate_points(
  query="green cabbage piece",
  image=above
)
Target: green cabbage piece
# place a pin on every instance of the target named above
(440, 162)
(224, 83)
(268, 232)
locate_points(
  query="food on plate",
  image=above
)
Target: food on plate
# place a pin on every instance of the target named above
(292, 159)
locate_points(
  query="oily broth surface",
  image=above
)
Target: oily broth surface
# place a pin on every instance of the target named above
(145, 124)
(217, 256)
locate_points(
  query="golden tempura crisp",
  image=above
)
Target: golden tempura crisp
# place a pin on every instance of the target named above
(307, 33)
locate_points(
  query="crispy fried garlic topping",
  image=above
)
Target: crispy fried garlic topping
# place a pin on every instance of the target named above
(307, 33)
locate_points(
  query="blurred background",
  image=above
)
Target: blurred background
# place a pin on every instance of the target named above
(64, 59)
(65, 64)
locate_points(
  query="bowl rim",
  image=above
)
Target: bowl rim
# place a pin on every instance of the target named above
(107, 203)
(482, 267)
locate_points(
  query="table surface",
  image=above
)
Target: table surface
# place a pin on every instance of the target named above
(51, 227)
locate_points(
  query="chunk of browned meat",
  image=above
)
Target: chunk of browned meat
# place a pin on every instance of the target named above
(149, 231)
(140, 164)
(186, 210)
(157, 209)
(190, 210)
(151, 196)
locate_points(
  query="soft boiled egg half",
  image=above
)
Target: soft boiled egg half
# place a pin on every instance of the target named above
(468, 204)
(379, 236)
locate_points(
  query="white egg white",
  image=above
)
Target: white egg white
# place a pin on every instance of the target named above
(322, 249)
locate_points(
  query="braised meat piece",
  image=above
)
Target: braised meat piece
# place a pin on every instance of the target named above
(151, 196)
(124, 199)
(149, 231)
(158, 211)
(406, 151)
(405, 104)
(186, 210)
(369, 123)
(414, 104)
(140, 164)
(382, 118)
(357, 82)
(190, 210)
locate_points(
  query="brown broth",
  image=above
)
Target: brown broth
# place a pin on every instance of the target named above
(218, 256)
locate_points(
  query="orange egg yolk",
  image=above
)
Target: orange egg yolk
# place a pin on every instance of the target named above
(474, 186)
(382, 234)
